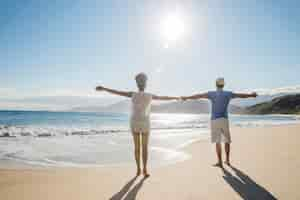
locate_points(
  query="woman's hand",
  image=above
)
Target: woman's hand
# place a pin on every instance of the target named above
(100, 88)
(183, 98)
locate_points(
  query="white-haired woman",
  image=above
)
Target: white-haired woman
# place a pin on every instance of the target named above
(140, 117)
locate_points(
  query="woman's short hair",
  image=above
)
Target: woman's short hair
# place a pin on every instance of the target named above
(141, 79)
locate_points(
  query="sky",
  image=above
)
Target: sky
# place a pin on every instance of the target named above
(65, 48)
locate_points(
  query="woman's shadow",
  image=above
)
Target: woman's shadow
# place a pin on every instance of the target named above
(245, 186)
(125, 193)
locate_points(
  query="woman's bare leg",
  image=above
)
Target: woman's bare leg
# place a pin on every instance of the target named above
(145, 139)
(137, 150)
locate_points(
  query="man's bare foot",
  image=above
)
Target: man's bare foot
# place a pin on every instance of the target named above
(218, 165)
(227, 163)
(138, 172)
(146, 174)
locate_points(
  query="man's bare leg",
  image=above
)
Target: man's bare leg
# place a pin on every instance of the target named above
(219, 154)
(227, 150)
(137, 150)
(145, 139)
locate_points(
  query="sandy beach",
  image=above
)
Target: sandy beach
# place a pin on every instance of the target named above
(265, 166)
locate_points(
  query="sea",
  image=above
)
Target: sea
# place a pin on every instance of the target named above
(78, 139)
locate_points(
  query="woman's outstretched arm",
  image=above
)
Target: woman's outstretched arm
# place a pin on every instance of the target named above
(155, 97)
(112, 91)
(196, 96)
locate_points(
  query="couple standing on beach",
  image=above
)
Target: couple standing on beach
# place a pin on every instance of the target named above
(140, 117)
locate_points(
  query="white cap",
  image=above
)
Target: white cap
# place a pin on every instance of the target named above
(220, 81)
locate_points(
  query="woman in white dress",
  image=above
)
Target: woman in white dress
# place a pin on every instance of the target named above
(140, 118)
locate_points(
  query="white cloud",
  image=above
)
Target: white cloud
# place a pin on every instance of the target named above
(69, 92)
(159, 69)
(61, 99)
(11, 105)
(11, 93)
(8, 92)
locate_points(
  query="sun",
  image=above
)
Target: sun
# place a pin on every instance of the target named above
(172, 27)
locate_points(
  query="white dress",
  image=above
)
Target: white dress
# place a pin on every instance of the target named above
(140, 114)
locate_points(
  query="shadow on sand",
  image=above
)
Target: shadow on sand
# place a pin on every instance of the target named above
(245, 186)
(125, 192)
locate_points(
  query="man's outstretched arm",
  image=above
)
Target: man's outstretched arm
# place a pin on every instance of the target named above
(116, 92)
(196, 96)
(245, 95)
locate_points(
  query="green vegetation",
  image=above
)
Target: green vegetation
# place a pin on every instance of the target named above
(289, 104)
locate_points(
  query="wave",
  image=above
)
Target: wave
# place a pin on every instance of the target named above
(18, 131)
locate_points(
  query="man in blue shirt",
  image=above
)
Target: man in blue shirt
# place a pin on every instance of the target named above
(219, 116)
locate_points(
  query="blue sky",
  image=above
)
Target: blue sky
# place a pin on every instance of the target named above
(66, 48)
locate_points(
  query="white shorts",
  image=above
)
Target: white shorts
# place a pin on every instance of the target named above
(220, 131)
(140, 126)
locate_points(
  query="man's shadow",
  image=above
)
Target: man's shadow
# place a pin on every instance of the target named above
(125, 193)
(247, 188)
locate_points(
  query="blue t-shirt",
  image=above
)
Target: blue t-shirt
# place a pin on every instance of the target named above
(220, 100)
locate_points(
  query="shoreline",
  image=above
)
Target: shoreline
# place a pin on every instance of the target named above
(184, 149)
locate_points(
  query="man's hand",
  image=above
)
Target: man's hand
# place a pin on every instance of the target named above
(254, 94)
(99, 88)
(179, 99)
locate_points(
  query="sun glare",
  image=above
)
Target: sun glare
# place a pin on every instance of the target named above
(172, 27)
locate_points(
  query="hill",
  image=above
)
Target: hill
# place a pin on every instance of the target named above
(289, 104)
(193, 107)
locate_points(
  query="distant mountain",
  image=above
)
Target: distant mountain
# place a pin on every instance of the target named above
(253, 101)
(195, 107)
(200, 106)
(119, 107)
(288, 104)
